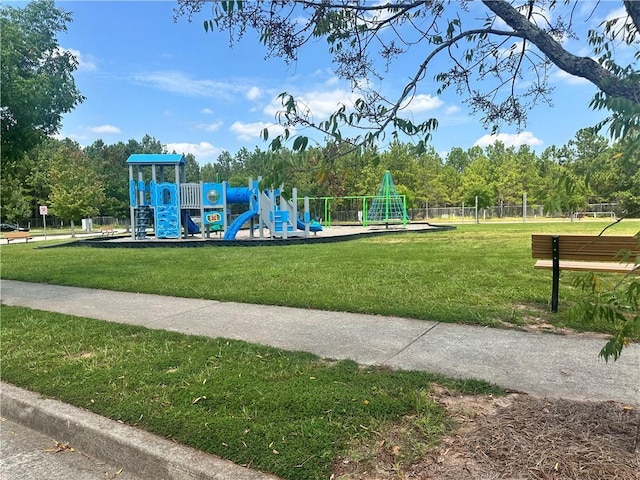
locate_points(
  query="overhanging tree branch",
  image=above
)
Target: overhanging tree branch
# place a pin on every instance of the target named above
(584, 67)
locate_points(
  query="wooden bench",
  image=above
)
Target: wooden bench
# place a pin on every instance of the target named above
(588, 253)
(107, 230)
(15, 235)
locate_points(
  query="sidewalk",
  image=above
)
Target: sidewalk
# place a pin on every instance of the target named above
(540, 364)
(535, 363)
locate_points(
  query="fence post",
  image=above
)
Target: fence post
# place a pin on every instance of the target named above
(476, 209)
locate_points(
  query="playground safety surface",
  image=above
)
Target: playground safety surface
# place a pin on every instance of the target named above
(337, 233)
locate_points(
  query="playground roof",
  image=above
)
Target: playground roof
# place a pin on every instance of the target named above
(156, 159)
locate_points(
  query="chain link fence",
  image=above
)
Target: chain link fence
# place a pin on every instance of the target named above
(468, 214)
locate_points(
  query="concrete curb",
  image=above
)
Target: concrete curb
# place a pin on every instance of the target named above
(136, 451)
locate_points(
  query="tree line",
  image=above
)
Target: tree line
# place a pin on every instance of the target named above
(78, 182)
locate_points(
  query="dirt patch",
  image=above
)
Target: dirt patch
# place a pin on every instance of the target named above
(534, 318)
(515, 437)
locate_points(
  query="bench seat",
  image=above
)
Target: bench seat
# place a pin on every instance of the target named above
(588, 266)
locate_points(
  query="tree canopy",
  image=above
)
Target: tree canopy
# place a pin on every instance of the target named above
(486, 57)
(76, 188)
(37, 82)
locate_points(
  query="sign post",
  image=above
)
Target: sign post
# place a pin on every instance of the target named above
(43, 212)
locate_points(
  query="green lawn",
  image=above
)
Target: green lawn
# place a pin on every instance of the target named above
(480, 274)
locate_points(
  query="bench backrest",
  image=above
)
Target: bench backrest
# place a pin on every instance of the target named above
(15, 234)
(586, 247)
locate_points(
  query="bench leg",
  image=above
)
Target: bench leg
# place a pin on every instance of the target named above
(555, 283)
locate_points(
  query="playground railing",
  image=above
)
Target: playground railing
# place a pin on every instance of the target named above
(190, 195)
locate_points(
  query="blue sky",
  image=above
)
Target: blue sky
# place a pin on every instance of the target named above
(142, 73)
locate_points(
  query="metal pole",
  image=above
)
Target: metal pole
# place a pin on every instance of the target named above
(555, 259)
(476, 209)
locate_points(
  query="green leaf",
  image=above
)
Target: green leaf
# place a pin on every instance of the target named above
(300, 143)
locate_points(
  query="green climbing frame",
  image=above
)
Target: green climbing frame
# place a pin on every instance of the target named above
(387, 206)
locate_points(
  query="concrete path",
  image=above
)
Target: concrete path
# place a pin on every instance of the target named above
(536, 363)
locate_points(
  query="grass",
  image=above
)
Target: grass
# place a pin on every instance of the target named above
(292, 414)
(477, 274)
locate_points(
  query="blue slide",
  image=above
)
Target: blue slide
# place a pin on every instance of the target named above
(192, 227)
(313, 226)
(233, 229)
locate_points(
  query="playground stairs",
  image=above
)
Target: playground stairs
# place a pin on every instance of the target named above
(281, 221)
(143, 219)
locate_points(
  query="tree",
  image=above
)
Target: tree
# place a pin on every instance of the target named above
(488, 56)
(431, 175)
(477, 181)
(15, 204)
(109, 162)
(192, 168)
(458, 159)
(76, 189)
(37, 81)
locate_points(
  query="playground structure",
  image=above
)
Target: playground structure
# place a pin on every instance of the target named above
(386, 207)
(169, 205)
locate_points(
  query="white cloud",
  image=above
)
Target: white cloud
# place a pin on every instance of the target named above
(250, 131)
(423, 103)
(509, 139)
(211, 127)
(253, 93)
(104, 129)
(453, 109)
(178, 82)
(332, 81)
(320, 104)
(202, 151)
(72, 136)
(206, 111)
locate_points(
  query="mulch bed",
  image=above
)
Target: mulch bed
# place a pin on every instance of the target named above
(524, 437)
